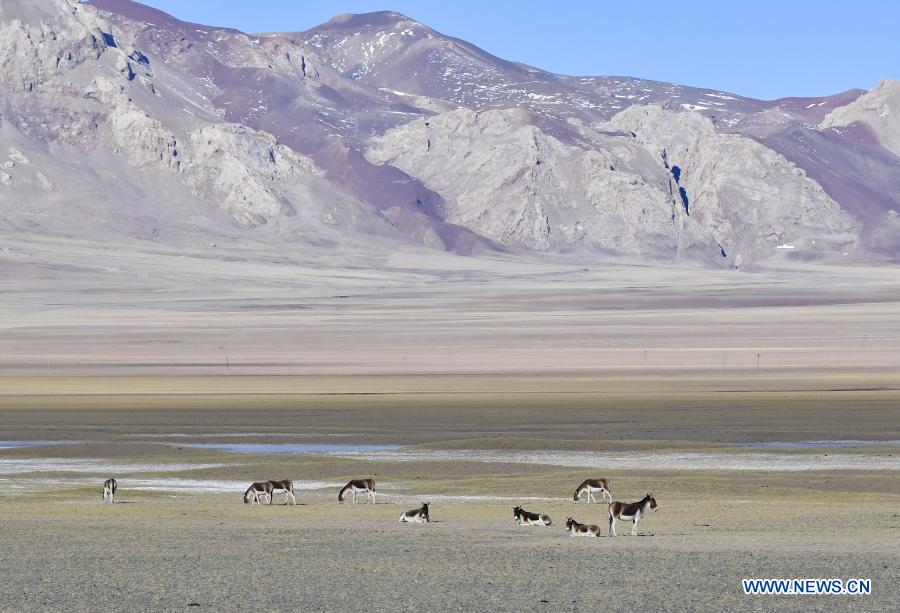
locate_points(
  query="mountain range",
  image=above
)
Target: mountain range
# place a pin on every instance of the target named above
(119, 122)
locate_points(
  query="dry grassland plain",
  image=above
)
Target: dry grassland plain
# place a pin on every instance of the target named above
(173, 543)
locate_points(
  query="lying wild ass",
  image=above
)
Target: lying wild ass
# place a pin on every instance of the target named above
(358, 485)
(525, 518)
(632, 512)
(109, 490)
(591, 487)
(573, 528)
(416, 516)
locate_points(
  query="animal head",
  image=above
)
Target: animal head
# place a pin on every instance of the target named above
(516, 511)
(341, 495)
(653, 505)
(577, 493)
(248, 495)
(569, 523)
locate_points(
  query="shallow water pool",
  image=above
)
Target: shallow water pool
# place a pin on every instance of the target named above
(813, 444)
(21, 444)
(293, 448)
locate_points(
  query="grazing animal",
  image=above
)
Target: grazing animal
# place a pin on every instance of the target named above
(358, 485)
(524, 518)
(632, 512)
(573, 528)
(416, 516)
(591, 487)
(258, 490)
(287, 487)
(109, 490)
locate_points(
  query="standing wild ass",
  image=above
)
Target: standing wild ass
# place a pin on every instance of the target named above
(287, 487)
(591, 487)
(632, 512)
(258, 490)
(358, 485)
(109, 490)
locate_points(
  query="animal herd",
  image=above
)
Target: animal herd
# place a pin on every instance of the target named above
(625, 511)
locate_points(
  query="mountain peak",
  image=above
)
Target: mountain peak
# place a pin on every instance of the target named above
(377, 19)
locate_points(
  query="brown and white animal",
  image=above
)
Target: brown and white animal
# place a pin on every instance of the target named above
(573, 528)
(525, 518)
(287, 487)
(257, 490)
(358, 485)
(416, 516)
(109, 490)
(632, 512)
(591, 487)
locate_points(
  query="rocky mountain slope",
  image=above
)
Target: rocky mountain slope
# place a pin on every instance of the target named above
(117, 120)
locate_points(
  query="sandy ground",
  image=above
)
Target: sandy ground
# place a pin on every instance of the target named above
(170, 554)
(170, 544)
(77, 308)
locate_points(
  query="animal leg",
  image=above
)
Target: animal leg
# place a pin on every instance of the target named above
(612, 525)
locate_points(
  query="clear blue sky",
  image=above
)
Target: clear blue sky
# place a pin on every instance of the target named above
(764, 49)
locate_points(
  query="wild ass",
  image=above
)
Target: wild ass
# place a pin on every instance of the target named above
(416, 516)
(632, 512)
(573, 528)
(287, 487)
(358, 485)
(256, 491)
(109, 490)
(591, 487)
(524, 518)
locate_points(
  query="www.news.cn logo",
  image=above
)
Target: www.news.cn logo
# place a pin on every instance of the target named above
(807, 586)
